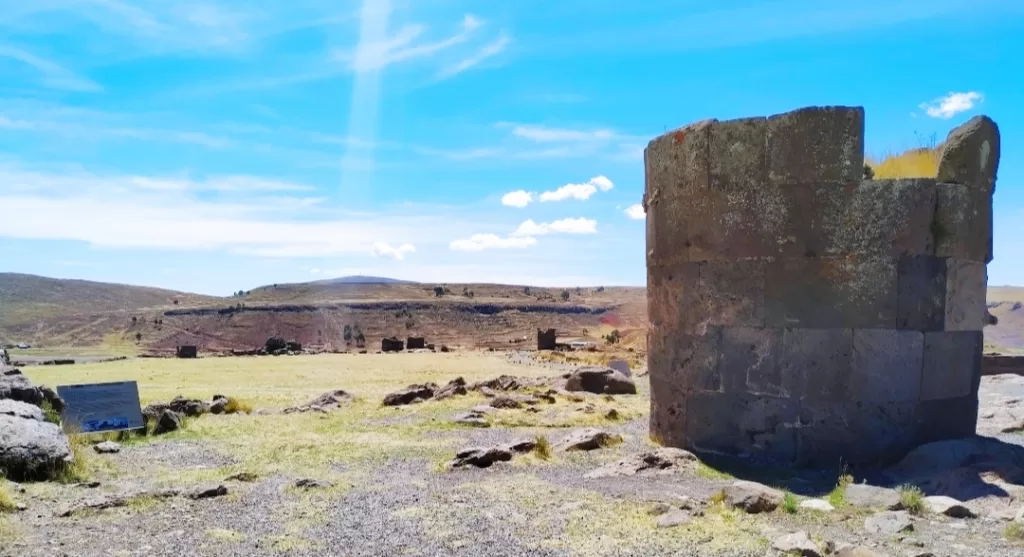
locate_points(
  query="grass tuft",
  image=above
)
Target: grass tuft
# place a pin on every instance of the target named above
(790, 504)
(49, 413)
(1014, 532)
(837, 497)
(542, 449)
(7, 503)
(77, 470)
(718, 498)
(709, 473)
(911, 499)
(237, 406)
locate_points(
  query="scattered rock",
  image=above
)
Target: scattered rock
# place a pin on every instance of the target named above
(331, 400)
(208, 492)
(659, 509)
(218, 405)
(481, 457)
(410, 394)
(19, 409)
(857, 551)
(307, 483)
(505, 401)
(242, 477)
(107, 447)
(188, 407)
(587, 439)
(547, 397)
(797, 543)
(168, 421)
(673, 518)
(889, 523)
(940, 504)
(600, 380)
(482, 409)
(663, 460)
(455, 387)
(522, 446)
(752, 497)
(612, 414)
(817, 505)
(869, 496)
(471, 418)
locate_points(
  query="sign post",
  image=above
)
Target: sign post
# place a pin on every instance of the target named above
(96, 407)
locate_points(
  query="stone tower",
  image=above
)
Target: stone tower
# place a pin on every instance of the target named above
(804, 315)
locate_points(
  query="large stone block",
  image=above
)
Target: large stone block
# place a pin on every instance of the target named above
(742, 424)
(686, 363)
(922, 293)
(952, 364)
(739, 154)
(966, 290)
(882, 218)
(816, 364)
(679, 161)
(674, 298)
(749, 361)
(831, 292)
(734, 225)
(970, 154)
(963, 223)
(834, 434)
(815, 145)
(733, 292)
(887, 365)
(952, 418)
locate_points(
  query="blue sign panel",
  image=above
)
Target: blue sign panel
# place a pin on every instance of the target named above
(97, 407)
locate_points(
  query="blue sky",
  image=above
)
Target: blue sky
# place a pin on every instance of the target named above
(216, 145)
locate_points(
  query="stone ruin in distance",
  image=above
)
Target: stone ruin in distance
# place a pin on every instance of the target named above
(802, 315)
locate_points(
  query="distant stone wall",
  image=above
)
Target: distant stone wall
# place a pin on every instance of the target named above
(391, 345)
(187, 351)
(993, 364)
(802, 314)
(415, 343)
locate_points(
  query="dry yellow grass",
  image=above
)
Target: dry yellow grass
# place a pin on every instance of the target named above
(920, 162)
(311, 442)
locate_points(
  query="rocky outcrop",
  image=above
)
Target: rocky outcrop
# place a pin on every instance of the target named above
(410, 394)
(14, 385)
(30, 447)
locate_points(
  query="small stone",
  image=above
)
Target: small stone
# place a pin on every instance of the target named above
(889, 523)
(242, 477)
(505, 401)
(612, 414)
(659, 509)
(522, 445)
(588, 440)
(817, 505)
(481, 457)
(107, 447)
(752, 497)
(797, 543)
(940, 504)
(474, 419)
(673, 518)
(307, 483)
(208, 492)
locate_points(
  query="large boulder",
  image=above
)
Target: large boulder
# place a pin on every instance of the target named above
(189, 407)
(600, 380)
(168, 421)
(752, 497)
(14, 385)
(30, 448)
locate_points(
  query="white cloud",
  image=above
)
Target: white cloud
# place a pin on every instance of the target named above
(381, 50)
(636, 212)
(485, 52)
(383, 249)
(581, 192)
(951, 105)
(564, 226)
(480, 242)
(54, 75)
(541, 134)
(518, 198)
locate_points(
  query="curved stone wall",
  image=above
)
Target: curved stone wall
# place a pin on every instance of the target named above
(803, 314)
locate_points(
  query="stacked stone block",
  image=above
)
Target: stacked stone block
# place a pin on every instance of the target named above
(802, 314)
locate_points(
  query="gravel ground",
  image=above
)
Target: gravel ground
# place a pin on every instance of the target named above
(408, 506)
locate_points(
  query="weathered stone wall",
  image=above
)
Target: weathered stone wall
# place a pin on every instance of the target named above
(803, 314)
(547, 339)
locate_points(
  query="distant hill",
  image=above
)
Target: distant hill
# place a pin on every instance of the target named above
(360, 279)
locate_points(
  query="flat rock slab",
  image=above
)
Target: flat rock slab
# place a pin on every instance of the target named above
(481, 457)
(797, 543)
(872, 497)
(673, 518)
(889, 523)
(819, 505)
(752, 497)
(940, 504)
(472, 418)
(663, 460)
(587, 440)
(107, 447)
